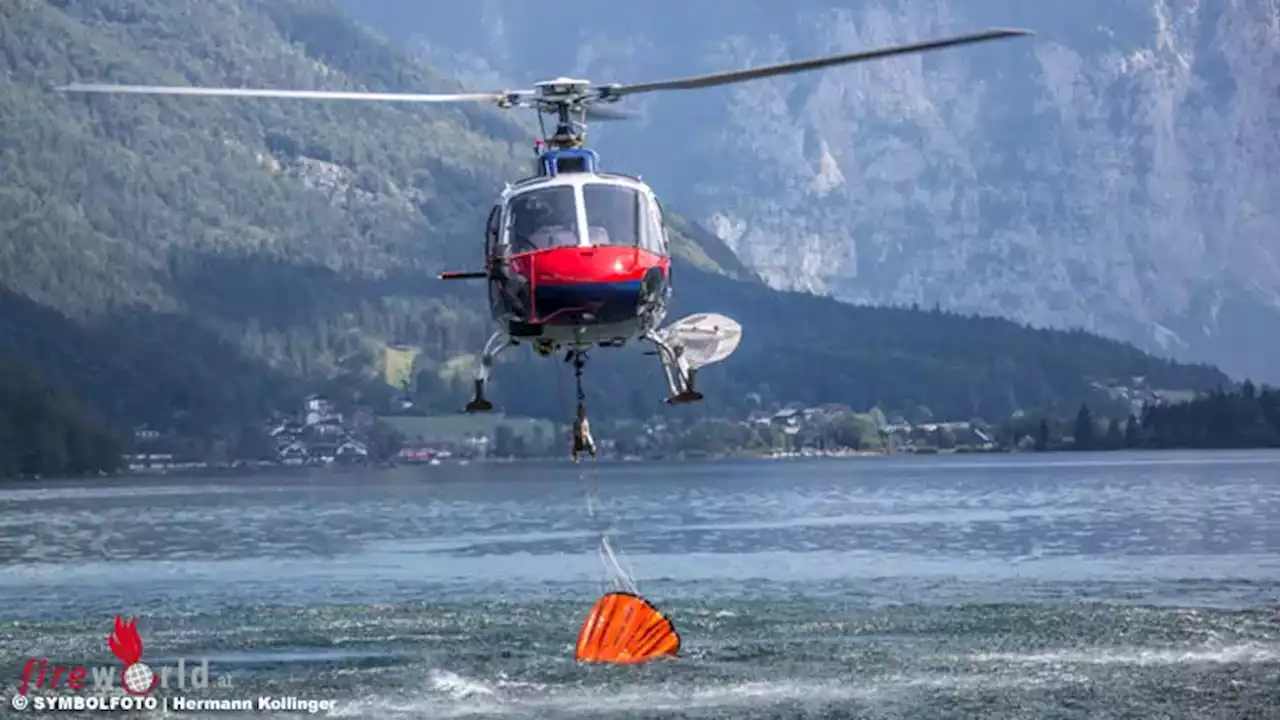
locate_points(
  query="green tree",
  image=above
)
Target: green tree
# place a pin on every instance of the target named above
(1115, 437)
(541, 443)
(252, 443)
(1132, 432)
(1242, 418)
(10, 462)
(46, 432)
(1249, 417)
(1086, 433)
(1042, 436)
(520, 446)
(385, 442)
(944, 438)
(504, 441)
(849, 431)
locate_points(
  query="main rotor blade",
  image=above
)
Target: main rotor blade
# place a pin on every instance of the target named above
(735, 76)
(290, 94)
(600, 112)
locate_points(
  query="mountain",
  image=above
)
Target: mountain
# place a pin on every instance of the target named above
(1113, 173)
(196, 263)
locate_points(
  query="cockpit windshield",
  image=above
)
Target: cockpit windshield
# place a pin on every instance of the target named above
(543, 218)
(617, 216)
(613, 214)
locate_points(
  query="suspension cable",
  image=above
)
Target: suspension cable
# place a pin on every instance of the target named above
(579, 362)
(619, 579)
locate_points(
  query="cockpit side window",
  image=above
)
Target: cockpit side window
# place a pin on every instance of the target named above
(491, 230)
(658, 236)
(655, 238)
(542, 219)
(613, 215)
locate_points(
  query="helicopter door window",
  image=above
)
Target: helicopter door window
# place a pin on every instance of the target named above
(653, 239)
(543, 219)
(491, 232)
(613, 215)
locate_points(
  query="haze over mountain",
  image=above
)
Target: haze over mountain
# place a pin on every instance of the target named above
(1118, 172)
(197, 263)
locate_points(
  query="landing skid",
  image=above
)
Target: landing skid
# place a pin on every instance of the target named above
(683, 347)
(497, 342)
(680, 377)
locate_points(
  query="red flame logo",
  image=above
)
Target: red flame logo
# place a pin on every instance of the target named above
(124, 641)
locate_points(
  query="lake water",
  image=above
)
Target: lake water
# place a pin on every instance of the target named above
(1064, 586)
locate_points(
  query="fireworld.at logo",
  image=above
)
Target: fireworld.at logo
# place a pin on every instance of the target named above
(136, 677)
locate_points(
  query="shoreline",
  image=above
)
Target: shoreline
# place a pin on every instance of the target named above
(301, 470)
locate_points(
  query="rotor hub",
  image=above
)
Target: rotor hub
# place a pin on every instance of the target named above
(562, 89)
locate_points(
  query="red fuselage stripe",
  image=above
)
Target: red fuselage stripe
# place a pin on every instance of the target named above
(577, 265)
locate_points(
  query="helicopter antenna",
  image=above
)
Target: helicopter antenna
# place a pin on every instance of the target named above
(572, 101)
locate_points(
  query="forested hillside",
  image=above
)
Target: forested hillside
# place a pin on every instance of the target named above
(798, 347)
(46, 431)
(196, 263)
(1245, 419)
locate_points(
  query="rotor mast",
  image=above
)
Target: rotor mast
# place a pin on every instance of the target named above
(569, 134)
(564, 97)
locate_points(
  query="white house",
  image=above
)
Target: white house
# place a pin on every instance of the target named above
(351, 451)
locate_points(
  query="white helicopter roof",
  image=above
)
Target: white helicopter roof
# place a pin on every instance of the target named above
(575, 179)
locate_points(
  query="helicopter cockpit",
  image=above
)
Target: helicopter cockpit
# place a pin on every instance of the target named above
(613, 214)
(541, 219)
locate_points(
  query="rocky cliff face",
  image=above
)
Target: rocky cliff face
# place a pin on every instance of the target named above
(1118, 172)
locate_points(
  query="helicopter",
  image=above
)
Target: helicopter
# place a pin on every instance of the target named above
(576, 257)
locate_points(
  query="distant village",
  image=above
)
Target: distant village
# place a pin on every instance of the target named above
(1136, 393)
(319, 436)
(899, 436)
(316, 436)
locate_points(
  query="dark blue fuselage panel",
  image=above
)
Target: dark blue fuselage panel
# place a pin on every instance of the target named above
(610, 302)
